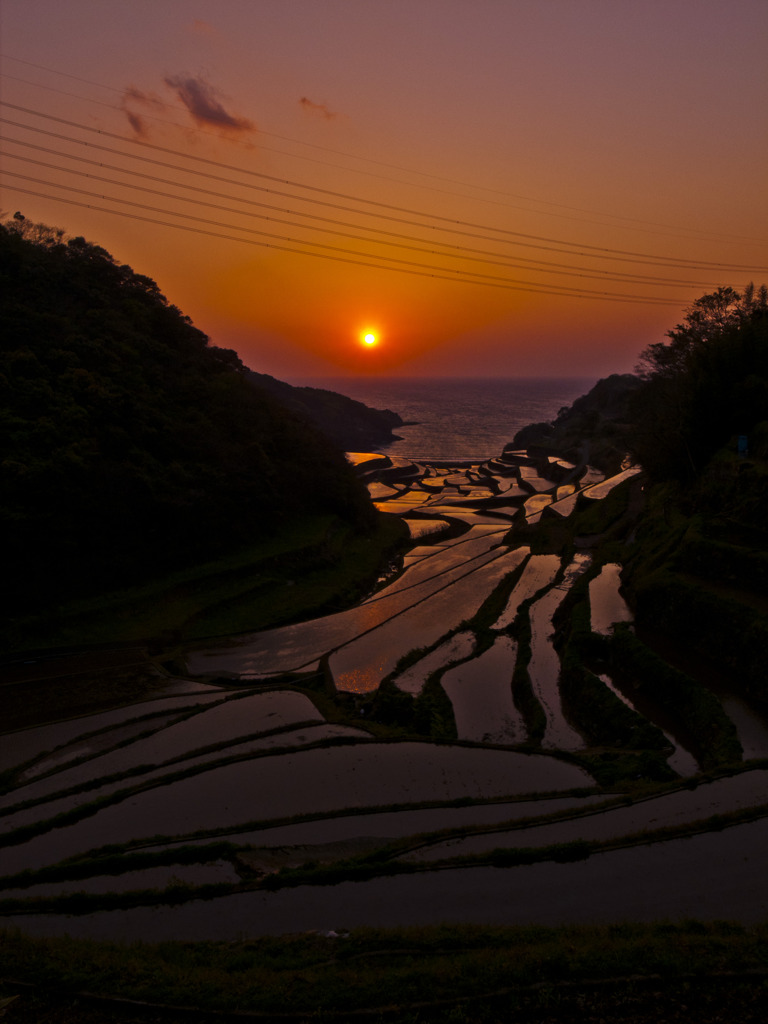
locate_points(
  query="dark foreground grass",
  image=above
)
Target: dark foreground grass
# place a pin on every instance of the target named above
(457, 973)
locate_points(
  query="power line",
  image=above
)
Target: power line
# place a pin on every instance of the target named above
(459, 251)
(645, 225)
(601, 251)
(336, 253)
(322, 202)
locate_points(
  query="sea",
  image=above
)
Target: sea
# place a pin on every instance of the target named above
(458, 418)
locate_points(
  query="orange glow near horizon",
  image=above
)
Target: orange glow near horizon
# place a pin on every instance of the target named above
(550, 217)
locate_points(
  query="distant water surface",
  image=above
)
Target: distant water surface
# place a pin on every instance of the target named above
(459, 418)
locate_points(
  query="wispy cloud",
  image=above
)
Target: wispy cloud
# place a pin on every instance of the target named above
(202, 101)
(132, 98)
(317, 109)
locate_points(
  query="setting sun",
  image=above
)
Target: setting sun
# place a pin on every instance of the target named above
(369, 339)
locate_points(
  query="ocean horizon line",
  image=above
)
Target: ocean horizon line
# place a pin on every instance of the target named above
(458, 418)
(374, 378)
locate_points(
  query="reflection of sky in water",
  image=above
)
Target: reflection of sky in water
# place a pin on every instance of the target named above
(292, 647)
(20, 746)
(481, 693)
(93, 744)
(536, 503)
(510, 488)
(441, 560)
(601, 490)
(544, 666)
(443, 585)
(362, 664)
(425, 527)
(661, 811)
(304, 735)
(221, 724)
(532, 480)
(564, 506)
(539, 572)
(462, 645)
(606, 603)
(314, 781)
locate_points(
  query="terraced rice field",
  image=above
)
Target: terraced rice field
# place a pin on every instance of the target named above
(134, 804)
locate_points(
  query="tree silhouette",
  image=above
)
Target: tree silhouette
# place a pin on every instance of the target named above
(707, 383)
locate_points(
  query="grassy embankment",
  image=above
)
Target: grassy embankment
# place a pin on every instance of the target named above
(317, 565)
(447, 973)
(699, 571)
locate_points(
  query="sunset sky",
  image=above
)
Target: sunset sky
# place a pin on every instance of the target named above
(490, 187)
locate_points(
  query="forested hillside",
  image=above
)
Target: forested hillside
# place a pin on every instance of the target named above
(705, 386)
(130, 445)
(698, 568)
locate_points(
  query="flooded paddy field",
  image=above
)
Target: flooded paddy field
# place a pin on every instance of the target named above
(29, 744)
(539, 574)
(387, 825)
(49, 803)
(315, 781)
(430, 715)
(460, 647)
(605, 601)
(360, 666)
(480, 690)
(640, 884)
(740, 792)
(544, 668)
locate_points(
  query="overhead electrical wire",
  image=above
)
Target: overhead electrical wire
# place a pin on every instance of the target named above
(322, 202)
(400, 240)
(328, 225)
(301, 252)
(581, 248)
(649, 226)
(467, 277)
